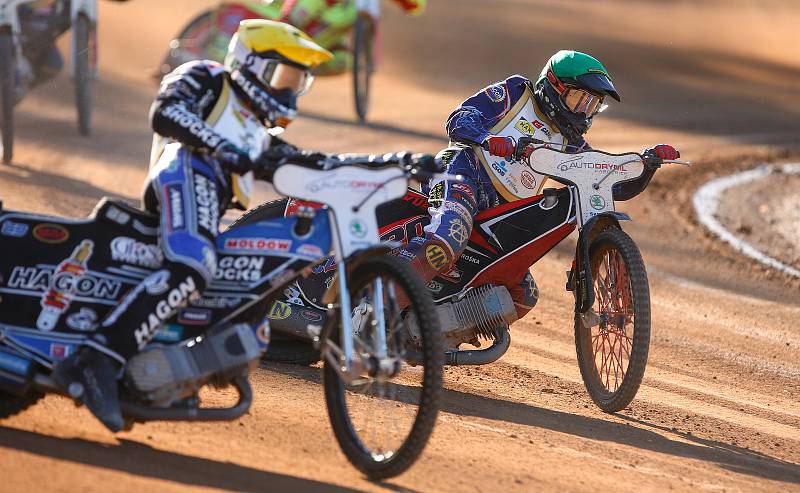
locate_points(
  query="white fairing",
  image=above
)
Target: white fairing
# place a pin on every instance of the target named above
(593, 173)
(344, 189)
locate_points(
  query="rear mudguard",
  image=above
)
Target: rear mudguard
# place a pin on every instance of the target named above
(580, 280)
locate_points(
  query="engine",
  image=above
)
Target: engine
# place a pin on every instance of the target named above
(478, 314)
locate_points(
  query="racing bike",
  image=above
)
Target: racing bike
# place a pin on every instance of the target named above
(607, 277)
(82, 16)
(60, 277)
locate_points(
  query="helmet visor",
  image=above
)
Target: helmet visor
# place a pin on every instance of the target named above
(282, 76)
(580, 101)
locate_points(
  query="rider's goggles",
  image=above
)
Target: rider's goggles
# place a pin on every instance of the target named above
(280, 76)
(581, 101)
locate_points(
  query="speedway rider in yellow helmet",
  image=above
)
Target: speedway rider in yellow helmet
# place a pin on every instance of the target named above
(212, 122)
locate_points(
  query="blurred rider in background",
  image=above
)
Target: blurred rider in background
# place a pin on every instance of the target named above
(329, 22)
(558, 109)
(212, 123)
(41, 24)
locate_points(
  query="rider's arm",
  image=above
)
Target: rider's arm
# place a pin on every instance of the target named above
(471, 121)
(184, 101)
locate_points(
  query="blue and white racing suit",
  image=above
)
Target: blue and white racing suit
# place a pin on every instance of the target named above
(507, 108)
(197, 111)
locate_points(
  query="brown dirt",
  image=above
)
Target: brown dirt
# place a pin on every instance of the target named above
(718, 408)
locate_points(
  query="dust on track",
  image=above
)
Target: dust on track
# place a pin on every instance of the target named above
(718, 406)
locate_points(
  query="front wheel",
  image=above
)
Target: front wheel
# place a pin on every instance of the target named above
(363, 43)
(7, 84)
(612, 352)
(383, 419)
(83, 73)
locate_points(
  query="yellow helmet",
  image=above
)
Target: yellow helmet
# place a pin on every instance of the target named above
(271, 63)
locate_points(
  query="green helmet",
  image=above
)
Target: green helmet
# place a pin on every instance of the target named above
(566, 71)
(576, 69)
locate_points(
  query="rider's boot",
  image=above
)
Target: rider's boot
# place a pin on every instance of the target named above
(90, 375)
(525, 295)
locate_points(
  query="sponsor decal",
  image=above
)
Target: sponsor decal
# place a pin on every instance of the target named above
(174, 299)
(174, 195)
(157, 283)
(453, 275)
(169, 333)
(528, 180)
(193, 123)
(327, 266)
(84, 320)
(345, 185)
(130, 251)
(496, 92)
(500, 167)
(310, 250)
(293, 295)
(205, 192)
(50, 233)
(358, 228)
(117, 215)
(239, 268)
(446, 156)
(60, 285)
(15, 230)
(406, 254)
(416, 200)
(469, 258)
(216, 302)
(279, 311)
(458, 232)
(311, 315)
(575, 164)
(435, 286)
(258, 244)
(436, 194)
(525, 127)
(329, 281)
(194, 316)
(597, 202)
(436, 256)
(58, 351)
(263, 332)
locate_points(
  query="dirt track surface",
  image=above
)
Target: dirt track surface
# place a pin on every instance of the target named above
(718, 409)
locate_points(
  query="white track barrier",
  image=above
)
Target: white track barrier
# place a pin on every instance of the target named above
(706, 201)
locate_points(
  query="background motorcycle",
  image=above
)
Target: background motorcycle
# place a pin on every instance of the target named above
(207, 36)
(82, 16)
(607, 277)
(64, 276)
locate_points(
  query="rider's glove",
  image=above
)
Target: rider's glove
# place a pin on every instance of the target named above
(499, 146)
(233, 158)
(663, 151)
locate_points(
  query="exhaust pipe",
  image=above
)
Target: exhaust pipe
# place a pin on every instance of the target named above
(480, 356)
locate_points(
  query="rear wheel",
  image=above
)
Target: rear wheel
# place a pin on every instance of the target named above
(612, 354)
(363, 39)
(383, 419)
(7, 83)
(84, 54)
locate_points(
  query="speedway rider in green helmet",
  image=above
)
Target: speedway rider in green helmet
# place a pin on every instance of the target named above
(557, 108)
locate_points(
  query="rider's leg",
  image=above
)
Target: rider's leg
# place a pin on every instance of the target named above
(186, 190)
(48, 65)
(452, 208)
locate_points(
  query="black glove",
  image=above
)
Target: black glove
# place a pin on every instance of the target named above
(233, 159)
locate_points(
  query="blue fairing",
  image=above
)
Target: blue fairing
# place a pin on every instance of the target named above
(274, 240)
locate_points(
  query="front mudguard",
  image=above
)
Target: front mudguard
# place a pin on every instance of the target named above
(579, 278)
